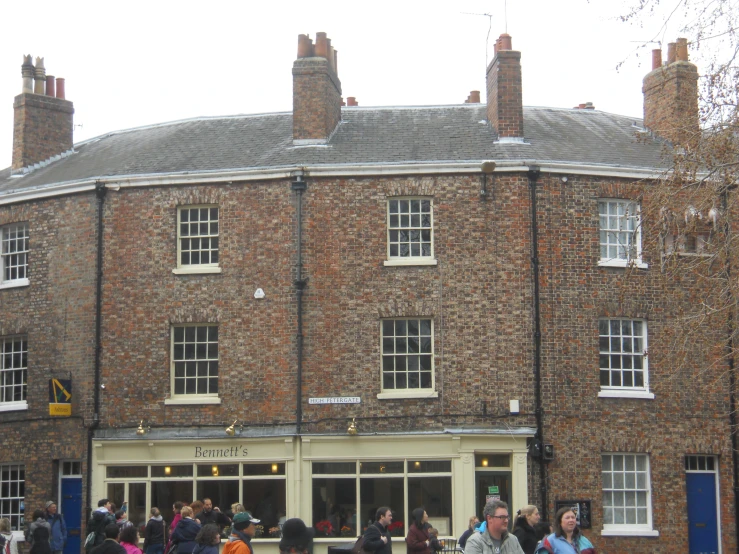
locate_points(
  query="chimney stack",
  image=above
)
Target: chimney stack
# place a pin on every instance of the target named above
(316, 91)
(42, 126)
(671, 96)
(505, 91)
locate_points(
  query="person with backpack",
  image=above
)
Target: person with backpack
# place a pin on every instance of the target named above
(58, 528)
(9, 546)
(39, 527)
(101, 518)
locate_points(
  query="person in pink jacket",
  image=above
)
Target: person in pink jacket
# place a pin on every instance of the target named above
(129, 539)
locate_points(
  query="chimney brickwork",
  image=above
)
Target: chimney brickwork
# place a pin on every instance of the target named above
(316, 90)
(43, 125)
(671, 96)
(505, 90)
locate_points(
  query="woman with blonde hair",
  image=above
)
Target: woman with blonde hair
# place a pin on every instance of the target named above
(8, 536)
(526, 518)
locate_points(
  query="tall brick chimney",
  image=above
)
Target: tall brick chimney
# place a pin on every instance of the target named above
(316, 91)
(505, 91)
(671, 95)
(42, 125)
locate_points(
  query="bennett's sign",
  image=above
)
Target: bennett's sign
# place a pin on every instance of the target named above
(230, 452)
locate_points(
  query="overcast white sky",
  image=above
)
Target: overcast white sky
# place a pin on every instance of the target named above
(135, 63)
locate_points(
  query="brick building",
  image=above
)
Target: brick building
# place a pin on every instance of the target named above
(319, 312)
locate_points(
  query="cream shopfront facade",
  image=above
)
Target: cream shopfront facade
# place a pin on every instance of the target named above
(335, 482)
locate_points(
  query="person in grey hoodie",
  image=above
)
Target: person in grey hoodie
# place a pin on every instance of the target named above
(39, 521)
(154, 533)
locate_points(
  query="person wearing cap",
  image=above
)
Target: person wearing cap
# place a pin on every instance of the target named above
(297, 538)
(58, 539)
(242, 531)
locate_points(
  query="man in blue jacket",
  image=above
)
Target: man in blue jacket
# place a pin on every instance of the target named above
(58, 539)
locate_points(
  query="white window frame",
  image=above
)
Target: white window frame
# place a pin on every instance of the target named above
(5, 241)
(627, 221)
(395, 224)
(13, 405)
(6, 483)
(621, 391)
(190, 268)
(191, 398)
(612, 475)
(391, 393)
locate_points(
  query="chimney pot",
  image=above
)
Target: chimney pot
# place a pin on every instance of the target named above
(351, 101)
(27, 72)
(50, 88)
(321, 48)
(506, 43)
(656, 58)
(39, 77)
(671, 53)
(60, 88)
(682, 49)
(305, 46)
(474, 97)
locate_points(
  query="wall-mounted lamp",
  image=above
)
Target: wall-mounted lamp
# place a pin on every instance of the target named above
(231, 429)
(484, 462)
(352, 429)
(167, 470)
(487, 168)
(141, 430)
(275, 467)
(417, 464)
(214, 471)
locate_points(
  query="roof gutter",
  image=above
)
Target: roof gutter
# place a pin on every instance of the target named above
(116, 182)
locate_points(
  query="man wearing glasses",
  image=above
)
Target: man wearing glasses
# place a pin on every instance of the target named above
(495, 539)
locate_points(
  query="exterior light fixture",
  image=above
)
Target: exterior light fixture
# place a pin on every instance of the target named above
(214, 471)
(484, 462)
(141, 430)
(275, 467)
(487, 168)
(167, 470)
(231, 429)
(352, 429)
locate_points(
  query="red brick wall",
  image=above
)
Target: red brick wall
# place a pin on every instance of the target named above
(56, 312)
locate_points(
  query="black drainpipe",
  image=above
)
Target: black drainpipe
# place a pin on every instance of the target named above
(533, 175)
(100, 191)
(730, 354)
(298, 186)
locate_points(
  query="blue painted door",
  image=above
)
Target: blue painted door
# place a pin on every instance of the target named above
(72, 512)
(702, 517)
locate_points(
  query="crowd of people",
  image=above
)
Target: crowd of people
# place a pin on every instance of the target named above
(491, 536)
(197, 529)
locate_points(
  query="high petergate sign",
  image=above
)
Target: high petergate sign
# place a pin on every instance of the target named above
(335, 400)
(60, 397)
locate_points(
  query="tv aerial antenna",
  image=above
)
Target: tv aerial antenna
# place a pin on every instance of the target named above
(490, 25)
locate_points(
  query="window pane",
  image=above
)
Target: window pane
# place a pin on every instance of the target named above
(381, 491)
(381, 467)
(266, 500)
(217, 470)
(335, 506)
(118, 472)
(172, 471)
(264, 469)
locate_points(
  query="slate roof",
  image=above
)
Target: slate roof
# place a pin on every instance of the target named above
(375, 135)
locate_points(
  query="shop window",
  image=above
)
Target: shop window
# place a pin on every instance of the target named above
(346, 495)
